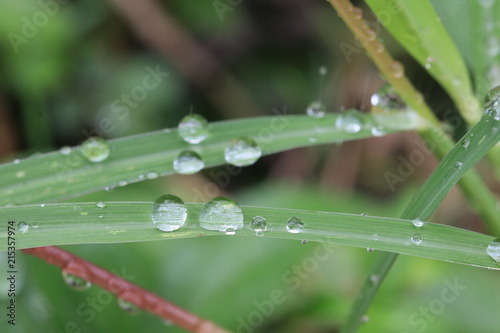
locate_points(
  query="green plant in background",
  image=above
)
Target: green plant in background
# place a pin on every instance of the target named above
(28, 185)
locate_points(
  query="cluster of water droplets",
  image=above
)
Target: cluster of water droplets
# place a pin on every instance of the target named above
(492, 103)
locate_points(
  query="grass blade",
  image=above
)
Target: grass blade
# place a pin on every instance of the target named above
(55, 176)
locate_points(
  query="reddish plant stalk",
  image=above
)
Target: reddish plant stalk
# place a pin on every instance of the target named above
(124, 289)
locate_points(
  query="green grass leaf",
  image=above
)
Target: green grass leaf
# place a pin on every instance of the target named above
(59, 224)
(416, 26)
(56, 176)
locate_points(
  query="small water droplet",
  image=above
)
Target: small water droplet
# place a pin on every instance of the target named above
(358, 12)
(75, 282)
(349, 122)
(16, 161)
(378, 131)
(169, 213)
(493, 250)
(397, 69)
(294, 225)
(127, 306)
(304, 241)
(65, 150)
(42, 205)
(416, 239)
(188, 162)
(100, 215)
(379, 47)
(22, 227)
(370, 249)
(230, 232)
(492, 98)
(458, 165)
(35, 225)
(316, 109)
(323, 70)
(20, 174)
(466, 143)
(418, 222)
(375, 237)
(364, 214)
(152, 175)
(193, 128)
(374, 279)
(364, 319)
(100, 204)
(95, 149)
(259, 225)
(388, 99)
(221, 214)
(122, 183)
(108, 188)
(243, 151)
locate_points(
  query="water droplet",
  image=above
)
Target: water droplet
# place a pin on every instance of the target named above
(492, 98)
(259, 225)
(221, 214)
(304, 241)
(20, 174)
(65, 150)
(378, 131)
(243, 151)
(42, 205)
(16, 161)
(466, 143)
(493, 250)
(22, 227)
(323, 70)
(388, 99)
(108, 188)
(169, 213)
(374, 279)
(230, 232)
(193, 128)
(100, 215)
(364, 319)
(358, 12)
(416, 239)
(35, 225)
(294, 225)
(364, 214)
(75, 282)
(100, 204)
(152, 175)
(95, 149)
(379, 47)
(128, 307)
(418, 222)
(375, 237)
(122, 183)
(397, 69)
(349, 121)
(458, 165)
(188, 162)
(370, 249)
(316, 109)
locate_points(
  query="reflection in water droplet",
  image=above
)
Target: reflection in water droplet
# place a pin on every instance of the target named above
(221, 214)
(493, 250)
(95, 149)
(416, 239)
(193, 128)
(169, 213)
(294, 225)
(75, 282)
(316, 109)
(243, 151)
(128, 307)
(388, 99)
(188, 162)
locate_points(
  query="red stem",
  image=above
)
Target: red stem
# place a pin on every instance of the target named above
(124, 289)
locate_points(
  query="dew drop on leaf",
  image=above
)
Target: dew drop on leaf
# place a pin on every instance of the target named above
(493, 250)
(416, 239)
(193, 128)
(294, 225)
(128, 307)
(188, 162)
(22, 227)
(75, 282)
(243, 151)
(349, 122)
(387, 98)
(418, 222)
(221, 214)
(95, 149)
(258, 224)
(169, 213)
(316, 109)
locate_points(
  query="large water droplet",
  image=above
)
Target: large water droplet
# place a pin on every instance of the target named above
(22, 227)
(75, 282)
(294, 225)
(243, 151)
(418, 222)
(349, 121)
(316, 109)
(221, 214)
(193, 128)
(416, 239)
(258, 224)
(493, 250)
(188, 162)
(387, 98)
(128, 307)
(95, 149)
(169, 213)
